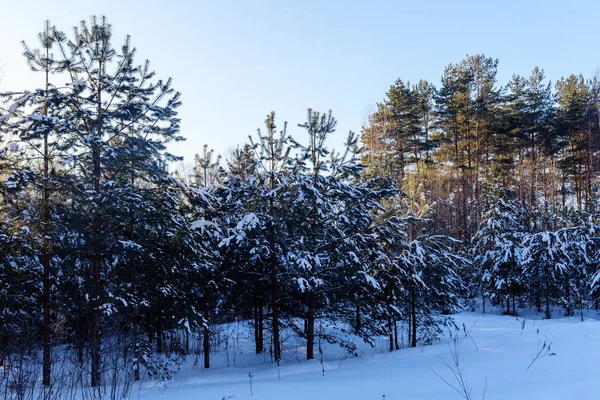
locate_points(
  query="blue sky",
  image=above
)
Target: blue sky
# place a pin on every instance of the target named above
(235, 61)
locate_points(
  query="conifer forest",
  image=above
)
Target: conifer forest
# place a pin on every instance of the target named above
(118, 260)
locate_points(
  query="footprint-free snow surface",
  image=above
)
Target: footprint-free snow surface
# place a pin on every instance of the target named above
(493, 358)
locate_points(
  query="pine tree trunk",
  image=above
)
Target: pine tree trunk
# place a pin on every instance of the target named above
(80, 351)
(150, 332)
(564, 189)
(132, 281)
(312, 300)
(206, 337)
(79, 339)
(95, 343)
(136, 348)
(257, 322)
(159, 339)
(275, 310)
(261, 328)
(413, 314)
(483, 301)
(47, 361)
(547, 314)
(568, 296)
(533, 172)
(159, 333)
(390, 332)
(514, 306)
(588, 171)
(396, 342)
(310, 326)
(273, 264)
(187, 342)
(97, 260)
(409, 331)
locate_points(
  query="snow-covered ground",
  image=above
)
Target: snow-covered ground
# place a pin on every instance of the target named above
(498, 351)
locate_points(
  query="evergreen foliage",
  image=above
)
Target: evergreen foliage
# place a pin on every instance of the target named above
(462, 192)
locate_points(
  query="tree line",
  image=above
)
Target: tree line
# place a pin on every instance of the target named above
(510, 170)
(113, 265)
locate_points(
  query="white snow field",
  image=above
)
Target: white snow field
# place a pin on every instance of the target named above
(498, 351)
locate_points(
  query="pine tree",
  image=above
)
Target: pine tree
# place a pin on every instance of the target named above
(112, 122)
(430, 264)
(497, 250)
(41, 60)
(538, 122)
(34, 125)
(377, 140)
(572, 95)
(260, 195)
(333, 220)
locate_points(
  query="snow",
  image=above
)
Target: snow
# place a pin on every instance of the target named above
(249, 221)
(19, 102)
(303, 284)
(372, 281)
(10, 184)
(202, 225)
(501, 349)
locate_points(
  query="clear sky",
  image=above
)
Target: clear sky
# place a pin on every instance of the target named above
(235, 61)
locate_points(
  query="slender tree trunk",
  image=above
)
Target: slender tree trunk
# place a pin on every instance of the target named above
(159, 333)
(80, 348)
(150, 331)
(47, 359)
(310, 326)
(97, 265)
(409, 331)
(577, 179)
(275, 314)
(255, 317)
(132, 281)
(413, 314)
(206, 336)
(426, 129)
(521, 175)
(260, 327)
(273, 260)
(274, 299)
(312, 299)
(513, 305)
(548, 315)
(564, 188)
(568, 296)
(97, 258)
(533, 172)
(396, 342)
(390, 332)
(134, 331)
(258, 343)
(589, 170)
(482, 301)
